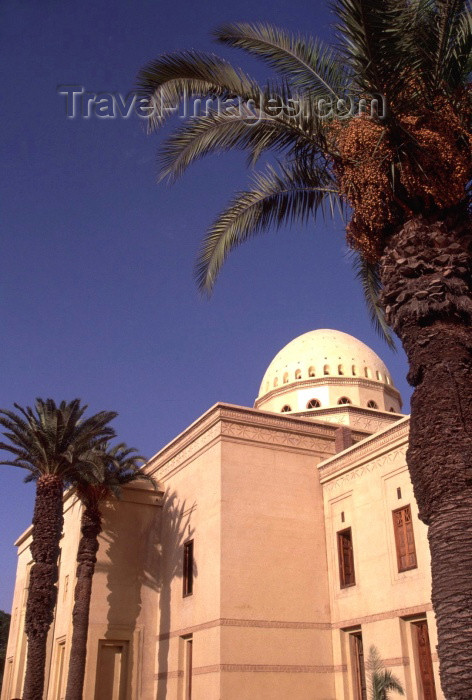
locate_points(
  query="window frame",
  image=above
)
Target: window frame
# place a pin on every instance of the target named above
(344, 401)
(345, 581)
(187, 569)
(396, 531)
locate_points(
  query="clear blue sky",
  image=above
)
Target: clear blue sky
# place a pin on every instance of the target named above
(97, 297)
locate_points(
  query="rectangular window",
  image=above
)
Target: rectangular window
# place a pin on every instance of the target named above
(187, 574)
(346, 559)
(404, 539)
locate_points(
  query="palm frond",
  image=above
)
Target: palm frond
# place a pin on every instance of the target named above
(454, 43)
(381, 680)
(368, 275)
(52, 438)
(376, 41)
(244, 127)
(309, 63)
(172, 78)
(433, 40)
(293, 193)
(110, 468)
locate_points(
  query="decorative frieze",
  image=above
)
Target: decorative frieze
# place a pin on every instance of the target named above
(367, 467)
(327, 380)
(365, 449)
(246, 424)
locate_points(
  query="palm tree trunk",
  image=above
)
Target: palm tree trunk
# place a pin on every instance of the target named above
(91, 527)
(42, 594)
(427, 280)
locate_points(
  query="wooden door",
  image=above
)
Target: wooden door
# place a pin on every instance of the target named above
(425, 661)
(357, 650)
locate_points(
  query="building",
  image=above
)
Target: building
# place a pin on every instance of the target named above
(284, 544)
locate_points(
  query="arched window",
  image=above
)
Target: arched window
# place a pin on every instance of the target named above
(378, 375)
(286, 408)
(371, 404)
(276, 381)
(311, 372)
(387, 379)
(298, 374)
(354, 370)
(340, 369)
(313, 403)
(392, 410)
(326, 369)
(343, 400)
(285, 377)
(367, 372)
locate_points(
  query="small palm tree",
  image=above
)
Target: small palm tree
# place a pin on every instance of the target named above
(404, 174)
(114, 467)
(381, 679)
(53, 442)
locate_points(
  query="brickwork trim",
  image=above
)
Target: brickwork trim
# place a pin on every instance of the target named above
(388, 615)
(253, 668)
(233, 622)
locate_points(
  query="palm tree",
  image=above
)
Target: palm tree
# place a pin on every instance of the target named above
(381, 679)
(53, 442)
(114, 467)
(403, 174)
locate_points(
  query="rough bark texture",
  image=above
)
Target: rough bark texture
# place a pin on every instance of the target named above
(91, 527)
(42, 594)
(427, 280)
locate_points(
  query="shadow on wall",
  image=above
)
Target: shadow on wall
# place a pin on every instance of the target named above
(131, 535)
(175, 531)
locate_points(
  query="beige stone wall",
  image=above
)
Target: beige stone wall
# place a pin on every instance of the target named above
(122, 606)
(60, 628)
(262, 496)
(259, 614)
(274, 583)
(360, 492)
(191, 512)
(16, 648)
(125, 585)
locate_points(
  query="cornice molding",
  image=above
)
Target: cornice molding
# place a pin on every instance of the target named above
(392, 440)
(248, 424)
(291, 439)
(370, 420)
(345, 476)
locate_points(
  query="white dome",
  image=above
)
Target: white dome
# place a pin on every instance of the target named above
(324, 370)
(320, 353)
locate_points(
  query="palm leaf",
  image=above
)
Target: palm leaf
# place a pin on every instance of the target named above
(170, 79)
(278, 197)
(309, 63)
(377, 43)
(381, 679)
(368, 275)
(455, 44)
(111, 467)
(52, 439)
(241, 127)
